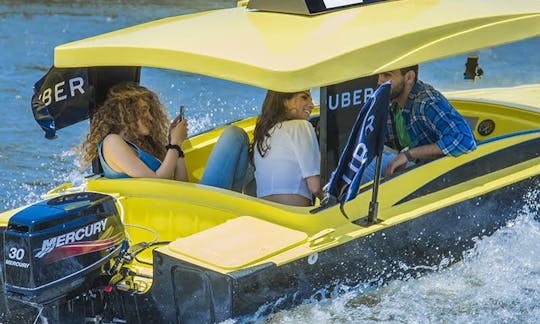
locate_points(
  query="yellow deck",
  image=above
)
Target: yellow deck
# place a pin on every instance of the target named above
(238, 242)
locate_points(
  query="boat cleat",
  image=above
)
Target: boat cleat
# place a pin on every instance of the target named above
(322, 237)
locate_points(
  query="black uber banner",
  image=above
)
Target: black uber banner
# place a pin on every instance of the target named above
(340, 105)
(365, 143)
(61, 98)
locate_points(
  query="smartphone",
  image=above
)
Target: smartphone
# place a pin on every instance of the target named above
(181, 112)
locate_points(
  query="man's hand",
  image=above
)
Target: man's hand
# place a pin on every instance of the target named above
(424, 152)
(397, 164)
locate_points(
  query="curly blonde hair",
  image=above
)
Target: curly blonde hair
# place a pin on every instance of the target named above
(119, 113)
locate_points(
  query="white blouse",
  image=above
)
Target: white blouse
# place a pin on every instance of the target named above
(293, 156)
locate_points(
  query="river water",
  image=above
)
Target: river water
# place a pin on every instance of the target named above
(497, 282)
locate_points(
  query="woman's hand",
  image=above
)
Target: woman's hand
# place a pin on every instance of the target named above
(173, 124)
(178, 131)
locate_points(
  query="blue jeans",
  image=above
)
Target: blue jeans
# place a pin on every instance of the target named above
(227, 164)
(369, 173)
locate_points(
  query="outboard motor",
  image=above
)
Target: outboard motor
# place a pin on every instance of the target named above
(57, 248)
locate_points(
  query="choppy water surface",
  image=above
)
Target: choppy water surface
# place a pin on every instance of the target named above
(497, 282)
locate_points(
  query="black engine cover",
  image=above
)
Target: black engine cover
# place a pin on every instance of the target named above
(58, 246)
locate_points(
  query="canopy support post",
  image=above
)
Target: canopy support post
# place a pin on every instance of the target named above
(374, 204)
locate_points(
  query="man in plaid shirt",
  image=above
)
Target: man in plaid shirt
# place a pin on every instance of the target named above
(422, 125)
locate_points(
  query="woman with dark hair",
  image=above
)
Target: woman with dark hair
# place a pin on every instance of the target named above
(285, 150)
(132, 136)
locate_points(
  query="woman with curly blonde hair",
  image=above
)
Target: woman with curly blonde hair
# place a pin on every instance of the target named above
(129, 134)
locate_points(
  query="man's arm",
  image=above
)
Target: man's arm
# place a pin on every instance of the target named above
(455, 135)
(424, 152)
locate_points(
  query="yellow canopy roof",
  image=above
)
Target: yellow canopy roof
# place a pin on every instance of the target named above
(288, 52)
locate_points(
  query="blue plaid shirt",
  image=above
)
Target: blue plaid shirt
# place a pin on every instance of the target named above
(429, 118)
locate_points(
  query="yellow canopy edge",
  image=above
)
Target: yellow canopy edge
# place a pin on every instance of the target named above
(287, 52)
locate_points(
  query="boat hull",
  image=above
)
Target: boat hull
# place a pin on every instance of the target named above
(401, 251)
(184, 292)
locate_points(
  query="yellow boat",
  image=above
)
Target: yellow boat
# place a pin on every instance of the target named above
(176, 252)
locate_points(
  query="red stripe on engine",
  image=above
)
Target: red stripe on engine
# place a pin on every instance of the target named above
(80, 248)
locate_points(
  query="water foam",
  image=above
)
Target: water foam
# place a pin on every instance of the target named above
(497, 281)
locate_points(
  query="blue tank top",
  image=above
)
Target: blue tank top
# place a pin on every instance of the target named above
(151, 161)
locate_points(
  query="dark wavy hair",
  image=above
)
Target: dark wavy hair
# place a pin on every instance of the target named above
(120, 113)
(273, 112)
